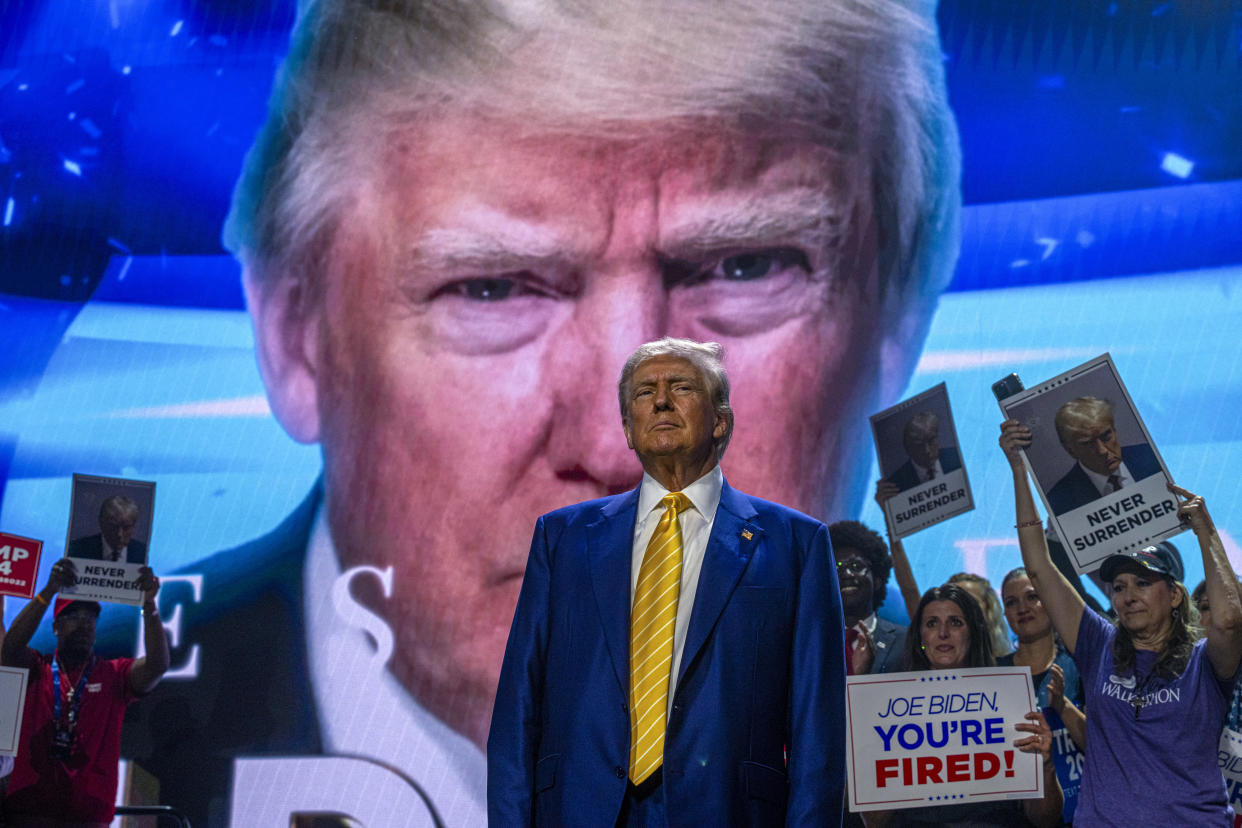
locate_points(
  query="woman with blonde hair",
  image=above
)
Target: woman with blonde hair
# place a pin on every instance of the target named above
(989, 602)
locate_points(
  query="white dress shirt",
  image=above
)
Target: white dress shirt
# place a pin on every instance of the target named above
(110, 554)
(922, 471)
(696, 527)
(365, 711)
(1100, 481)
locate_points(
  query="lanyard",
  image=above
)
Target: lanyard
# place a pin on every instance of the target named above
(75, 695)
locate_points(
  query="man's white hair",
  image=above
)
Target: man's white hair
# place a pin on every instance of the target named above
(862, 77)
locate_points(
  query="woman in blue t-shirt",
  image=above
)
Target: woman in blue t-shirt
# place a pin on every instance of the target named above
(1038, 647)
(1155, 698)
(1057, 685)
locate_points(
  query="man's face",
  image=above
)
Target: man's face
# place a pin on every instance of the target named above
(923, 448)
(117, 529)
(857, 583)
(75, 629)
(1097, 447)
(476, 310)
(671, 414)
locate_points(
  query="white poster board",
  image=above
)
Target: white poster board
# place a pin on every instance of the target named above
(1229, 758)
(920, 459)
(938, 737)
(108, 512)
(12, 704)
(1092, 519)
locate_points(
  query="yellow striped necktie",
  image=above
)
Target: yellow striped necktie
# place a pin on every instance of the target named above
(651, 639)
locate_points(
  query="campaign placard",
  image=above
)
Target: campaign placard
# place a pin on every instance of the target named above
(12, 703)
(923, 477)
(1068, 761)
(109, 532)
(937, 737)
(1229, 758)
(19, 565)
(1095, 465)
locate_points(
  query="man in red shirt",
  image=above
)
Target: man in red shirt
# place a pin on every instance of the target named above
(66, 770)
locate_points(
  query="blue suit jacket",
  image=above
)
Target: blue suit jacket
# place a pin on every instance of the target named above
(762, 671)
(1075, 489)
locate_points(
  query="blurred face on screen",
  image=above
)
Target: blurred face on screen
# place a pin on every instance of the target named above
(923, 448)
(474, 316)
(117, 528)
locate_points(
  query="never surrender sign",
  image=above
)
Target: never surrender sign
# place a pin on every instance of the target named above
(110, 521)
(937, 737)
(1095, 464)
(923, 478)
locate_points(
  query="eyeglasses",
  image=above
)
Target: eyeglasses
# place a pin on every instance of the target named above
(853, 567)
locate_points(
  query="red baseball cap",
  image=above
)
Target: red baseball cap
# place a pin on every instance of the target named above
(63, 604)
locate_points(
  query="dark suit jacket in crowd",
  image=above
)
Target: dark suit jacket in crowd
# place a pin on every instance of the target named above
(1075, 488)
(907, 477)
(92, 546)
(762, 671)
(889, 640)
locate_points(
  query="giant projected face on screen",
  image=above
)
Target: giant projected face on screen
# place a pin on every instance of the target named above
(452, 226)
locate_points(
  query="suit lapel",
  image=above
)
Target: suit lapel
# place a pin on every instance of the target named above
(729, 549)
(883, 638)
(610, 544)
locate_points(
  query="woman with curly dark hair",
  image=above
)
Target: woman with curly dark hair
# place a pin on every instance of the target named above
(1155, 698)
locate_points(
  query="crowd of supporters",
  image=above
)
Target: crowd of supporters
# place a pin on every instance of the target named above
(1138, 691)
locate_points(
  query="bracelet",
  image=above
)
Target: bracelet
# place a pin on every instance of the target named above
(39, 597)
(1025, 524)
(154, 612)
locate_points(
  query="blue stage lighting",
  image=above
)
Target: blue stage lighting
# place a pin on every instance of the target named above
(1176, 165)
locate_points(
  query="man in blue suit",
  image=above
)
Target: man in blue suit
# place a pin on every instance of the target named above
(442, 306)
(752, 721)
(1086, 430)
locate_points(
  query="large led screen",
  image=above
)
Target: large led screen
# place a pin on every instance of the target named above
(357, 297)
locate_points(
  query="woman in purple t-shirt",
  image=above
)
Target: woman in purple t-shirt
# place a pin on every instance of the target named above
(1155, 698)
